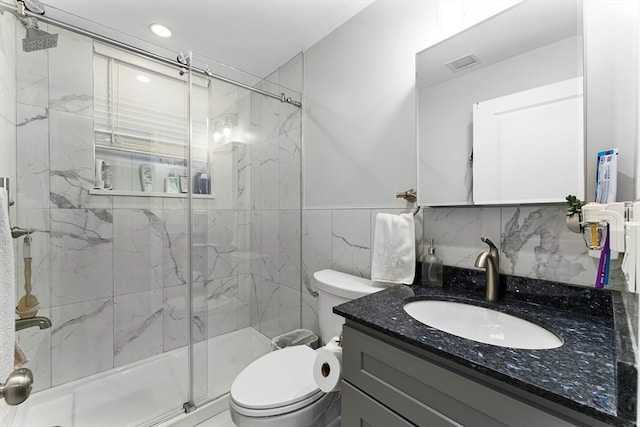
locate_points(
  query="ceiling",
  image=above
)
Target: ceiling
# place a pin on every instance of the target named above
(255, 36)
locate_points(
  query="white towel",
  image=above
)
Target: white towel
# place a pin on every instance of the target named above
(7, 291)
(394, 249)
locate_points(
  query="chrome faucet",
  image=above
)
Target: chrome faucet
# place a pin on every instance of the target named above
(490, 261)
(41, 322)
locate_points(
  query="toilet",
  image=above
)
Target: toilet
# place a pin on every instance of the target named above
(277, 389)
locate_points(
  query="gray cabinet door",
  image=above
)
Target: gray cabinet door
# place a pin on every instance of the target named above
(359, 410)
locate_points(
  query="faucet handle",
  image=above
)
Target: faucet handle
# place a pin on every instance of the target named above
(492, 248)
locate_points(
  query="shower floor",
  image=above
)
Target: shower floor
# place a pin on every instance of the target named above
(134, 394)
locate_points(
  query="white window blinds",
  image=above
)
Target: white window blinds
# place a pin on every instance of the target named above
(142, 106)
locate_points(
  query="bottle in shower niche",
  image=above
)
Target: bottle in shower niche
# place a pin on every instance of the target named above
(146, 177)
(108, 176)
(432, 268)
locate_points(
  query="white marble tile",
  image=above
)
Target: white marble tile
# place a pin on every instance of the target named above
(71, 82)
(222, 306)
(457, 231)
(32, 75)
(290, 310)
(290, 254)
(138, 326)
(36, 219)
(174, 244)
(244, 300)
(265, 245)
(243, 241)
(316, 246)
(265, 173)
(309, 309)
(32, 156)
(536, 243)
(81, 255)
(351, 241)
(290, 160)
(175, 317)
(81, 340)
(265, 306)
(72, 162)
(221, 230)
(244, 176)
(36, 343)
(136, 202)
(137, 250)
(8, 97)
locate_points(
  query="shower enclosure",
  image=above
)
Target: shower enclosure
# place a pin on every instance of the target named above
(158, 292)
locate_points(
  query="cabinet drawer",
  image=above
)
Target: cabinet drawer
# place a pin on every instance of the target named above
(412, 386)
(359, 410)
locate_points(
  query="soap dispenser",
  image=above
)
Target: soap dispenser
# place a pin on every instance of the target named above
(432, 268)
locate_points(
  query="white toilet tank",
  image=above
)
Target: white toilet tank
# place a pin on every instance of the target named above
(335, 288)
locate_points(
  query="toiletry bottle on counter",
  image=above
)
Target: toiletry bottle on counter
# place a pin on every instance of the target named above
(432, 268)
(146, 177)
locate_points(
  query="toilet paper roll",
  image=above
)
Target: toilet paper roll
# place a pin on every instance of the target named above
(327, 368)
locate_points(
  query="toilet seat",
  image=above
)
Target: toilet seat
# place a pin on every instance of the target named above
(277, 383)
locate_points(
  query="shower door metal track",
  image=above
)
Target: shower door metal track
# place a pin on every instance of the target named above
(19, 12)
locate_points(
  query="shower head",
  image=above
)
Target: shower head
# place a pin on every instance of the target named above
(36, 39)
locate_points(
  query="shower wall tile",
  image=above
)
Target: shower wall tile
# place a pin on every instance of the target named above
(221, 230)
(290, 158)
(135, 202)
(8, 29)
(265, 245)
(137, 250)
(316, 245)
(290, 315)
(72, 162)
(36, 344)
(32, 157)
(174, 248)
(175, 316)
(351, 241)
(71, 74)
(138, 326)
(537, 243)
(244, 253)
(289, 256)
(457, 231)
(222, 300)
(265, 306)
(32, 74)
(81, 340)
(81, 255)
(309, 310)
(36, 219)
(265, 174)
(244, 300)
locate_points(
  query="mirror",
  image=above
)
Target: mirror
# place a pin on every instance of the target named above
(532, 47)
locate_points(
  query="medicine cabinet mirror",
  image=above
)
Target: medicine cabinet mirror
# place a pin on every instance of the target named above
(500, 109)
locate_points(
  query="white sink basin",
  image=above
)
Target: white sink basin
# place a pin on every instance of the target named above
(482, 324)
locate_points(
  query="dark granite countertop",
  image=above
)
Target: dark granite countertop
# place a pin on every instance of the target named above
(593, 372)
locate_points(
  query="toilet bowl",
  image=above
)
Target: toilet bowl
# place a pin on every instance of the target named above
(278, 389)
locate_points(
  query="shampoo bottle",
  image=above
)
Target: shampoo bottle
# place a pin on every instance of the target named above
(146, 177)
(432, 268)
(171, 183)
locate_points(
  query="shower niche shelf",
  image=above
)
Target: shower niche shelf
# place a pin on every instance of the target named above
(132, 193)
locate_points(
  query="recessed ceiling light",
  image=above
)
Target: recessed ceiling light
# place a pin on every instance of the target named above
(143, 79)
(160, 30)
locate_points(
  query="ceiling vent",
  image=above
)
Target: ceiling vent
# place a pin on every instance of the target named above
(463, 62)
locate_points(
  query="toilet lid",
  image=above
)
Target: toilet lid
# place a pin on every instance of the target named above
(281, 378)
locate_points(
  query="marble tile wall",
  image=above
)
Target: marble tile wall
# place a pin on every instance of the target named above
(111, 271)
(533, 241)
(275, 223)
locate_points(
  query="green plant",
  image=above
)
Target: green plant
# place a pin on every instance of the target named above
(575, 205)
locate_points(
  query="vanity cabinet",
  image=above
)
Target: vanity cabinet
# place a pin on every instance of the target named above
(388, 383)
